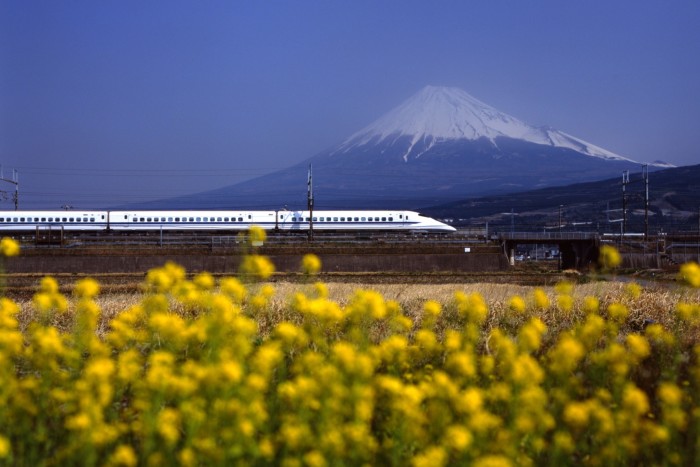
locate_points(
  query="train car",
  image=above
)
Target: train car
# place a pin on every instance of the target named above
(188, 221)
(25, 221)
(341, 221)
(291, 221)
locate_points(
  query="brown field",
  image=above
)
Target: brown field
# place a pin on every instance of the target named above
(656, 303)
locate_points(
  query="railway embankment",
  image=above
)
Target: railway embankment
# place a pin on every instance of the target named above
(358, 258)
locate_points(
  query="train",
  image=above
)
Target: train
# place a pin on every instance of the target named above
(221, 220)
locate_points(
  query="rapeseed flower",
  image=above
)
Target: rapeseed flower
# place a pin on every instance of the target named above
(9, 247)
(310, 264)
(609, 257)
(256, 235)
(257, 266)
(690, 274)
(540, 299)
(517, 304)
(86, 288)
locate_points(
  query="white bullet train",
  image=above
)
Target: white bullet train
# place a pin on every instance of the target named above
(283, 220)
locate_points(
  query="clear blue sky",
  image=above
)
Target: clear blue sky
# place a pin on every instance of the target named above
(120, 101)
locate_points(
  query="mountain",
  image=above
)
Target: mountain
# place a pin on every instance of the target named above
(673, 205)
(440, 145)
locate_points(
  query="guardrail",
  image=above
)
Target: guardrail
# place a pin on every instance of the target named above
(547, 236)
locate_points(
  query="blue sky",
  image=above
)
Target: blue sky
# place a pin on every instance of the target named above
(120, 101)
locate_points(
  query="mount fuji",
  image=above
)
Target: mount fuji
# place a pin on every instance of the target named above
(440, 145)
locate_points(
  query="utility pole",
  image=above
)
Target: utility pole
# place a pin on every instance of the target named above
(560, 207)
(625, 181)
(310, 203)
(15, 182)
(645, 174)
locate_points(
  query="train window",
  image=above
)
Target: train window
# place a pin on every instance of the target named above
(191, 219)
(92, 219)
(240, 219)
(70, 219)
(314, 219)
(249, 216)
(218, 219)
(363, 219)
(43, 219)
(170, 219)
(199, 219)
(64, 219)
(15, 219)
(177, 219)
(335, 219)
(342, 219)
(391, 219)
(148, 219)
(357, 219)
(383, 219)
(141, 219)
(2, 219)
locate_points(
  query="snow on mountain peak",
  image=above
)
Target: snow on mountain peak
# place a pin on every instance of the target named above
(438, 113)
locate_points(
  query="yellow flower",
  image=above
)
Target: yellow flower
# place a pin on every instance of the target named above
(591, 304)
(635, 400)
(9, 247)
(472, 307)
(86, 288)
(48, 285)
(565, 303)
(566, 354)
(434, 456)
(540, 298)
(670, 394)
(517, 304)
(431, 309)
(564, 288)
(233, 288)
(530, 335)
(310, 264)
(256, 235)
(493, 461)
(204, 281)
(609, 257)
(633, 289)
(576, 415)
(617, 312)
(690, 274)
(123, 455)
(168, 425)
(257, 266)
(638, 346)
(458, 437)
(5, 447)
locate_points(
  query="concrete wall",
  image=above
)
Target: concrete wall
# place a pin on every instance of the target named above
(67, 261)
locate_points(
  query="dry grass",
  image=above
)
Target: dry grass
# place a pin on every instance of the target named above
(656, 304)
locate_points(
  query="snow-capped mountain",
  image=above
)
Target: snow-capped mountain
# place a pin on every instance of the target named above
(440, 145)
(437, 114)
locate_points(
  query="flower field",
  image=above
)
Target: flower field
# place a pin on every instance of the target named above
(205, 371)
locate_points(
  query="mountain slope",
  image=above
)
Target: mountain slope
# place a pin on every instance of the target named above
(673, 204)
(440, 145)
